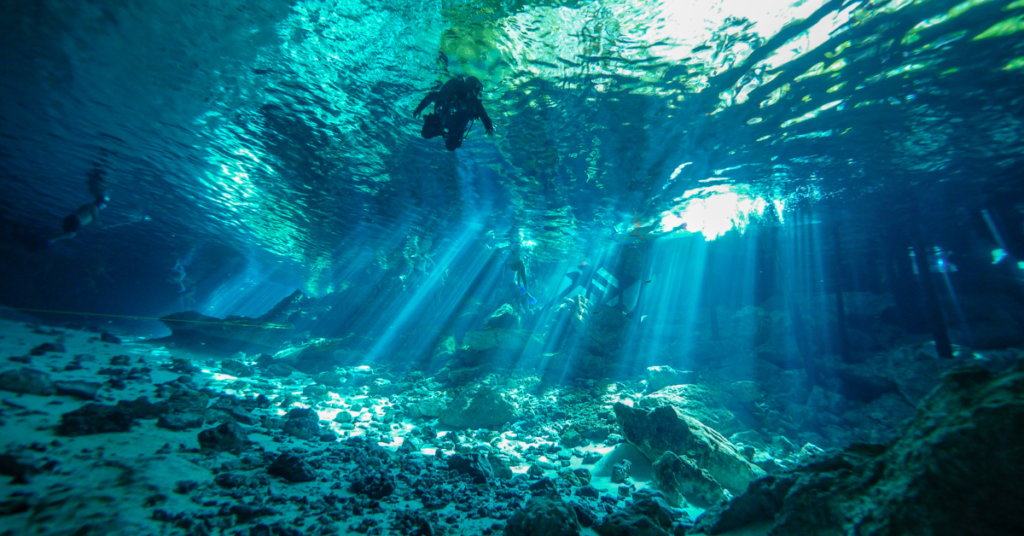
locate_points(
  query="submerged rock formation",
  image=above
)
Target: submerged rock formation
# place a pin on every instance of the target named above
(265, 332)
(667, 429)
(479, 407)
(955, 470)
(696, 401)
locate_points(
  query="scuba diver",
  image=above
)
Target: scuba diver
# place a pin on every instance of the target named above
(88, 213)
(455, 105)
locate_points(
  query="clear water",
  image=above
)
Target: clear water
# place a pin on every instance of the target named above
(698, 156)
(810, 207)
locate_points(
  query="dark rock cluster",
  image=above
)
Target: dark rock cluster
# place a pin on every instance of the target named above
(955, 470)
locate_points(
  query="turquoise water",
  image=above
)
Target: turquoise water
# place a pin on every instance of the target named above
(689, 156)
(239, 287)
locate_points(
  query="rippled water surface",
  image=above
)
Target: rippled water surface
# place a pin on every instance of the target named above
(286, 127)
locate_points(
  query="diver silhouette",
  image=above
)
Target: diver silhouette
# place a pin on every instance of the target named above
(88, 213)
(456, 104)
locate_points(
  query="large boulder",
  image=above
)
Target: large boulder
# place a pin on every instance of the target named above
(478, 407)
(964, 448)
(697, 402)
(680, 479)
(666, 428)
(544, 516)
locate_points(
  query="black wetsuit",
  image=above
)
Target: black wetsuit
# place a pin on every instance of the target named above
(85, 215)
(455, 105)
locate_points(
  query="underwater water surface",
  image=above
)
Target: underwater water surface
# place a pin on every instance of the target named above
(786, 220)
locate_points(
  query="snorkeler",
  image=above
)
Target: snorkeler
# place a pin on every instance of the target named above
(517, 264)
(88, 213)
(455, 105)
(181, 277)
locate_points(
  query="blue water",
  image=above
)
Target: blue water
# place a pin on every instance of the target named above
(705, 156)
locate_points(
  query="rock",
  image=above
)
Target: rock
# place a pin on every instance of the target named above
(78, 389)
(591, 457)
(620, 472)
(588, 491)
(96, 419)
(191, 328)
(653, 504)
(544, 516)
(542, 486)
(667, 429)
(955, 470)
(47, 347)
(428, 408)
(330, 379)
(228, 437)
(659, 377)
(279, 370)
(26, 381)
(408, 446)
(480, 407)
(302, 428)
(236, 368)
(382, 387)
(375, 486)
(230, 480)
(500, 468)
(680, 479)
(583, 475)
(244, 513)
(625, 523)
(572, 438)
(697, 402)
(181, 421)
(142, 408)
(412, 523)
(472, 464)
(763, 499)
(17, 468)
(343, 416)
(109, 338)
(648, 515)
(505, 318)
(318, 355)
(292, 468)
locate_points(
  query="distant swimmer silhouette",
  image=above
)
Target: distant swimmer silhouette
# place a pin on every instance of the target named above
(456, 104)
(516, 261)
(88, 213)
